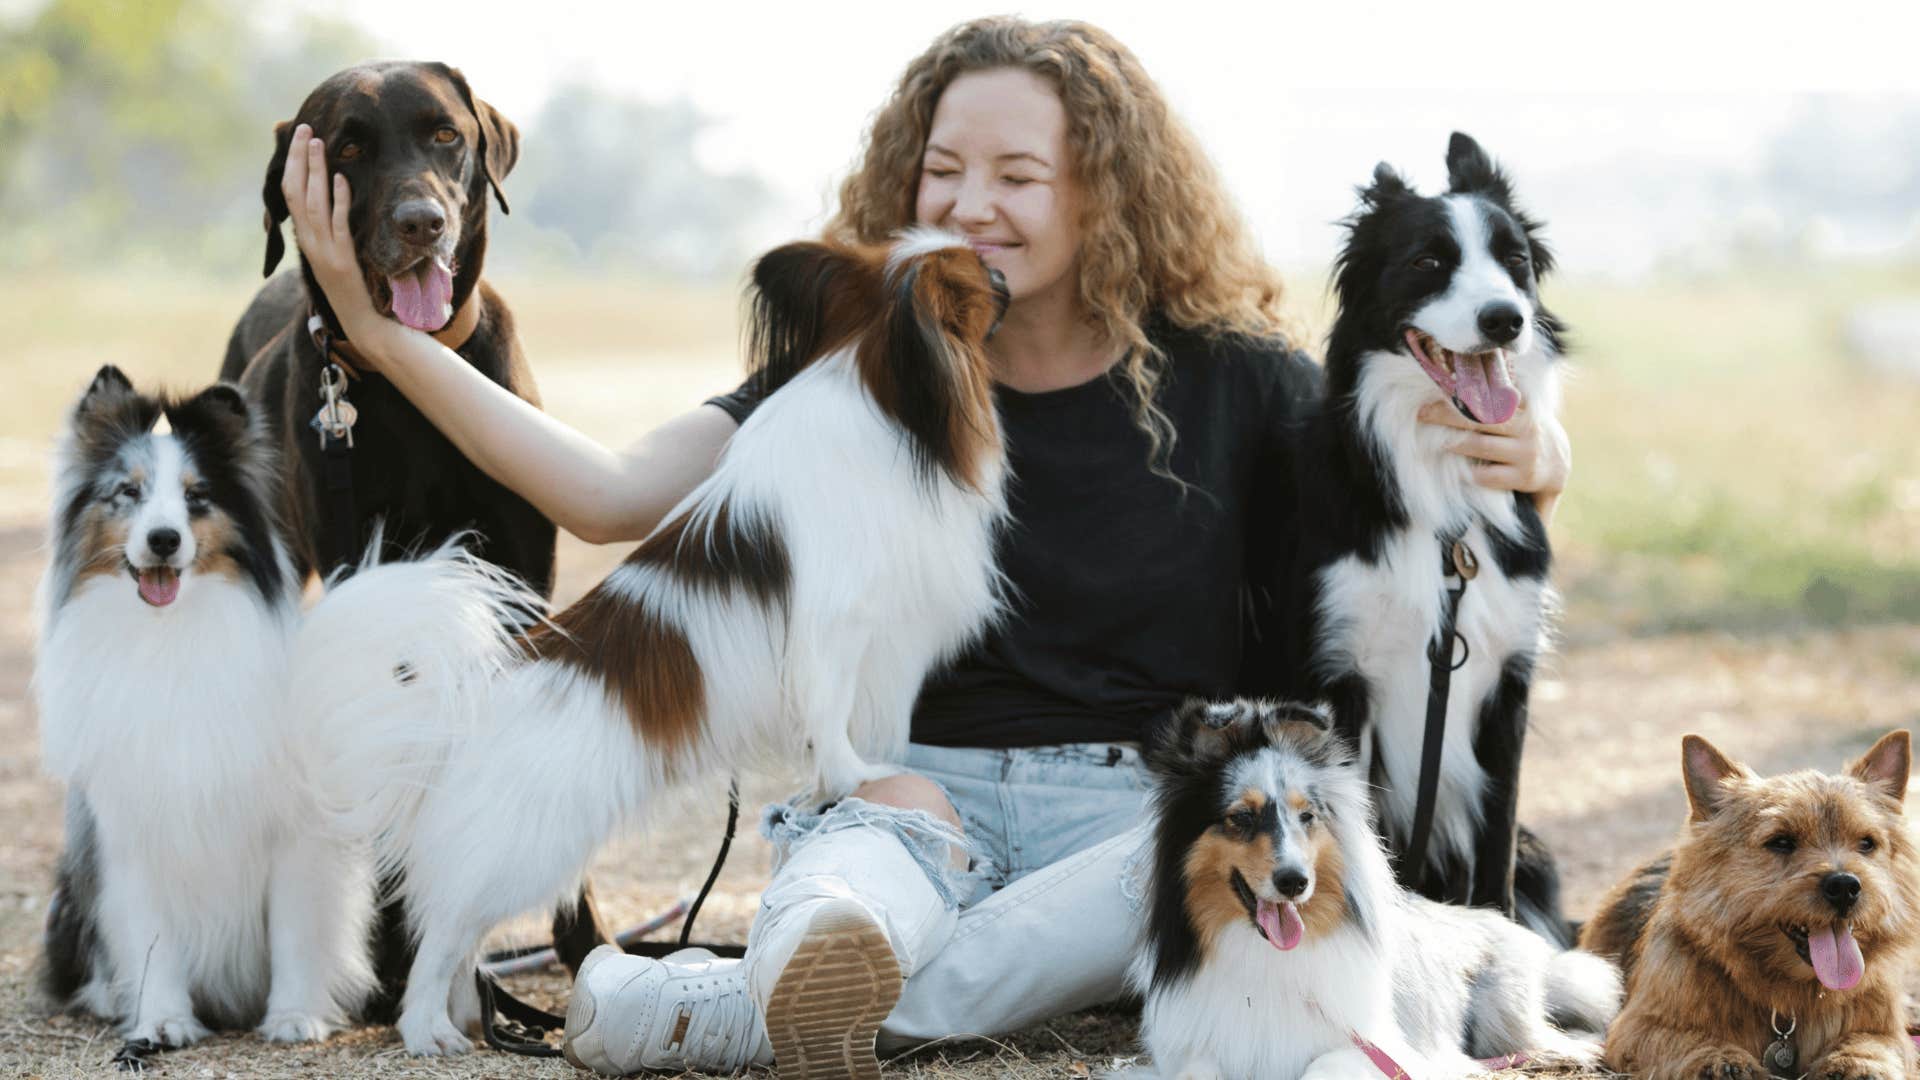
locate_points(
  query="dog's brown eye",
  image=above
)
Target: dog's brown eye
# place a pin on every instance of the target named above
(347, 152)
(1867, 845)
(1241, 820)
(1516, 260)
(445, 135)
(1782, 844)
(129, 491)
(1426, 262)
(1306, 817)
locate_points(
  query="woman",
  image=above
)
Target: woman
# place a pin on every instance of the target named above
(1144, 393)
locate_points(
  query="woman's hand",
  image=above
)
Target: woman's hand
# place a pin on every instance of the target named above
(319, 213)
(1524, 454)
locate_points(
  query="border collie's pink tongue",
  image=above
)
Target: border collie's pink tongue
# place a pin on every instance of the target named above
(421, 295)
(1281, 923)
(1837, 962)
(159, 585)
(1482, 385)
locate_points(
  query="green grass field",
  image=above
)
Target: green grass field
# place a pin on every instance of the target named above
(1733, 467)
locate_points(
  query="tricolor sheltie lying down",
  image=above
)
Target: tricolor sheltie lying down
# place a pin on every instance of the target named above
(198, 887)
(1278, 945)
(784, 614)
(1438, 304)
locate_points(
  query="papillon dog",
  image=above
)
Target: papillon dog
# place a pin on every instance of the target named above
(199, 887)
(783, 615)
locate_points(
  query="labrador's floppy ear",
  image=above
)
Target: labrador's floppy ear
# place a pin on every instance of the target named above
(276, 202)
(499, 138)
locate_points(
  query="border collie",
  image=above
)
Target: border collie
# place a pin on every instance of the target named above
(199, 888)
(784, 614)
(1438, 304)
(1279, 946)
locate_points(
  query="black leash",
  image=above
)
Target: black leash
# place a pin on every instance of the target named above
(1458, 567)
(513, 1026)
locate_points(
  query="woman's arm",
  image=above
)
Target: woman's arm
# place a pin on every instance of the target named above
(587, 489)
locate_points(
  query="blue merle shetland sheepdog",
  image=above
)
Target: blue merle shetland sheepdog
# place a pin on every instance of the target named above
(784, 614)
(1279, 947)
(1438, 304)
(198, 887)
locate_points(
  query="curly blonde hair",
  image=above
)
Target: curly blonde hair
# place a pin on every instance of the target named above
(1159, 232)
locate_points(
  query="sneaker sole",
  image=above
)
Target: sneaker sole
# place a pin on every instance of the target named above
(828, 1004)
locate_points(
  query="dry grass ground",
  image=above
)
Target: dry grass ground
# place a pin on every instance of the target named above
(1601, 774)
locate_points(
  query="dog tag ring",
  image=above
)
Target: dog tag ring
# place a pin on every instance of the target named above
(1781, 1058)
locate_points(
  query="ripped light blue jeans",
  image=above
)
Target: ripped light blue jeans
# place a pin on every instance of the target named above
(1044, 920)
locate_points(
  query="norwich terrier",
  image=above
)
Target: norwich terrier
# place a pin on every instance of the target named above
(1775, 938)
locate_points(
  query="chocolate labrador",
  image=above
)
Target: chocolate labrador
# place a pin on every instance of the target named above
(421, 153)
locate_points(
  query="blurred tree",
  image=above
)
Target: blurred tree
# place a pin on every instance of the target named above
(622, 181)
(145, 123)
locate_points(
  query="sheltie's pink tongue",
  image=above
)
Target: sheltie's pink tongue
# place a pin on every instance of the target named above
(1281, 923)
(159, 585)
(1836, 956)
(1481, 384)
(421, 295)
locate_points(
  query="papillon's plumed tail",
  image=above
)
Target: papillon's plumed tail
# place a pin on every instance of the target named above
(396, 664)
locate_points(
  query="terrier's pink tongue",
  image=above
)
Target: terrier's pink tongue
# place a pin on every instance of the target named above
(159, 585)
(1482, 385)
(421, 295)
(1836, 957)
(1281, 923)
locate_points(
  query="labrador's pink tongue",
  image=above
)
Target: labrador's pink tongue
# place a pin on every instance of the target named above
(159, 585)
(1836, 957)
(1281, 923)
(420, 295)
(1482, 385)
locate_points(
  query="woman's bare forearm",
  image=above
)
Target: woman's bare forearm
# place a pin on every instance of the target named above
(596, 493)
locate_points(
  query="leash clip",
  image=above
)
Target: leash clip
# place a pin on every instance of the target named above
(337, 415)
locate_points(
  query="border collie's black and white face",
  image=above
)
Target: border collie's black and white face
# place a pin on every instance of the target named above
(155, 509)
(1447, 282)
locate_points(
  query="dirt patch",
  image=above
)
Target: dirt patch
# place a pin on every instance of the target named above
(1601, 786)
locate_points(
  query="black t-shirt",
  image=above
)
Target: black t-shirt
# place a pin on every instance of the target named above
(1128, 590)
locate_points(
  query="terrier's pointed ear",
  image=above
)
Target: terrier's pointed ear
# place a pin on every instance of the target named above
(1887, 765)
(1706, 770)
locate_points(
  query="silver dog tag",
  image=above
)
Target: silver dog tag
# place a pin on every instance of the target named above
(1781, 1058)
(337, 415)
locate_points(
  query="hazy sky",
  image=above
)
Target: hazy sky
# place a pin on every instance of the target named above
(1613, 116)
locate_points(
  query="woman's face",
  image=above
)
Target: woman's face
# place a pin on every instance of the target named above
(996, 171)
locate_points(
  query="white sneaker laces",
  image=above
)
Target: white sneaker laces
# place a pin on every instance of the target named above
(715, 1022)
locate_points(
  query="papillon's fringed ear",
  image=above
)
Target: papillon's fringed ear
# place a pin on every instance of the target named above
(928, 370)
(805, 300)
(276, 202)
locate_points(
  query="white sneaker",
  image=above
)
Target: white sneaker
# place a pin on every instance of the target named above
(827, 1003)
(688, 1011)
